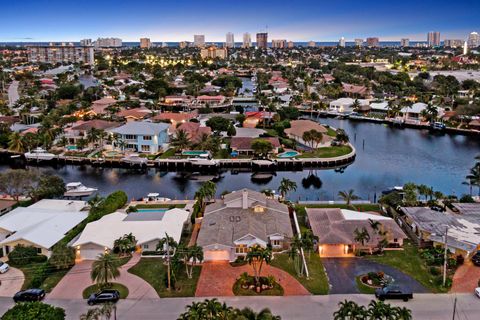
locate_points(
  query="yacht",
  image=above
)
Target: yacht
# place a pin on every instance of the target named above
(203, 161)
(77, 189)
(39, 154)
(135, 158)
(153, 196)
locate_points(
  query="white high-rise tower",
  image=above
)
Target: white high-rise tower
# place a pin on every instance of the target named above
(230, 43)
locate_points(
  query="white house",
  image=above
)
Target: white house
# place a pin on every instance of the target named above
(344, 105)
(380, 107)
(143, 136)
(40, 225)
(148, 228)
(414, 112)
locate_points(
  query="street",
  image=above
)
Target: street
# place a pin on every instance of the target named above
(423, 306)
(13, 93)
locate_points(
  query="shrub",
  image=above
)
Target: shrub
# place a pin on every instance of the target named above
(434, 271)
(39, 275)
(62, 257)
(34, 311)
(22, 255)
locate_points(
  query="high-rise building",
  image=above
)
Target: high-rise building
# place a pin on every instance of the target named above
(247, 40)
(341, 42)
(230, 43)
(290, 45)
(433, 39)
(453, 43)
(86, 42)
(199, 40)
(405, 42)
(213, 52)
(373, 42)
(279, 44)
(311, 44)
(108, 43)
(145, 43)
(61, 53)
(473, 40)
(358, 42)
(262, 40)
(465, 48)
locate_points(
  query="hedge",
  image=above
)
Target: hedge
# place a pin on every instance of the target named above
(22, 255)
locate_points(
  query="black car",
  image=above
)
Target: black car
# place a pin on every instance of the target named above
(29, 295)
(476, 259)
(393, 292)
(103, 297)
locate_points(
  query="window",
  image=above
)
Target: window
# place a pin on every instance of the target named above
(39, 250)
(145, 246)
(147, 137)
(241, 249)
(395, 240)
(276, 243)
(130, 137)
(145, 148)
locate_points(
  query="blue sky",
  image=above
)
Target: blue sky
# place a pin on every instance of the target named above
(177, 20)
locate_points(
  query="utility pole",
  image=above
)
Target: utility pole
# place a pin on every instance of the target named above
(454, 308)
(445, 258)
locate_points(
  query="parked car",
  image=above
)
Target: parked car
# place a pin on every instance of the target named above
(29, 295)
(476, 259)
(477, 292)
(103, 296)
(437, 208)
(4, 267)
(393, 292)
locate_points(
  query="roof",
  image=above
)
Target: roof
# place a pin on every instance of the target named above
(298, 127)
(174, 116)
(227, 221)
(216, 98)
(350, 88)
(105, 101)
(141, 128)
(97, 124)
(194, 130)
(145, 226)
(248, 132)
(43, 223)
(337, 226)
(379, 105)
(5, 204)
(245, 143)
(138, 113)
(468, 208)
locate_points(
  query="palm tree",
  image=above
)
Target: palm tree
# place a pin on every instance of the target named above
(403, 313)
(348, 196)
(256, 257)
(349, 310)
(167, 245)
(361, 235)
(474, 176)
(286, 185)
(249, 314)
(195, 254)
(16, 143)
(295, 254)
(206, 192)
(95, 201)
(105, 269)
(181, 140)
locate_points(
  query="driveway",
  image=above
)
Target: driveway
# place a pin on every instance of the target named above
(465, 279)
(342, 272)
(137, 287)
(217, 279)
(11, 282)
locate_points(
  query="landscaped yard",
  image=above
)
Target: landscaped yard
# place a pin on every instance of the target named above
(277, 290)
(167, 154)
(327, 152)
(362, 287)
(317, 283)
(154, 272)
(114, 286)
(410, 262)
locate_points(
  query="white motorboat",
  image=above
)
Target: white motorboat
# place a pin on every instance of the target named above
(39, 154)
(153, 196)
(77, 189)
(135, 158)
(201, 161)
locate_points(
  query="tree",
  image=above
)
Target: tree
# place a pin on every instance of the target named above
(168, 246)
(34, 311)
(49, 186)
(125, 244)
(361, 236)
(104, 269)
(286, 185)
(16, 143)
(206, 192)
(342, 136)
(256, 257)
(231, 131)
(261, 147)
(349, 310)
(194, 255)
(62, 257)
(181, 140)
(17, 182)
(106, 310)
(218, 123)
(474, 176)
(348, 196)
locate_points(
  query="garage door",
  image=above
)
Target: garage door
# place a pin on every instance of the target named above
(216, 255)
(333, 250)
(90, 254)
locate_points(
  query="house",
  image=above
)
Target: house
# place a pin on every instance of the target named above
(416, 110)
(142, 136)
(355, 91)
(253, 118)
(80, 129)
(335, 229)
(345, 105)
(6, 206)
(194, 131)
(41, 225)
(240, 220)
(99, 106)
(175, 101)
(379, 107)
(211, 101)
(244, 144)
(299, 127)
(474, 124)
(134, 114)
(429, 227)
(175, 118)
(148, 228)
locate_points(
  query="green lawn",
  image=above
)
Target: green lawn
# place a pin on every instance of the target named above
(114, 286)
(362, 287)
(327, 152)
(167, 154)
(331, 132)
(53, 279)
(410, 262)
(153, 271)
(318, 281)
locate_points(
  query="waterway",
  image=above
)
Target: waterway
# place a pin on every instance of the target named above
(386, 157)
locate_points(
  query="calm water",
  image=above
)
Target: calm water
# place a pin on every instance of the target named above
(390, 157)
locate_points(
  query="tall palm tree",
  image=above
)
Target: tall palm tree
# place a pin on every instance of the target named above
(195, 254)
(206, 192)
(361, 236)
(256, 257)
(474, 176)
(105, 269)
(286, 185)
(348, 196)
(181, 140)
(16, 143)
(168, 245)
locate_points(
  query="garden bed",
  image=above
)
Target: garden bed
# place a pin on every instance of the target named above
(246, 287)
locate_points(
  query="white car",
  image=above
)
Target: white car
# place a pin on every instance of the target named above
(477, 292)
(3, 267)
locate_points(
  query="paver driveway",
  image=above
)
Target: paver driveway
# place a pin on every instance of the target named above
(465, 278)
(217, 279)
(11, 282)
(342, 272)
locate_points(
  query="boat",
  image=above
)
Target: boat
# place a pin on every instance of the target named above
(153, 196)
(262, 176)
(134, 158)
(202, 161)
(77, 189)
(263, 162)
(438, 126)
(39, 154)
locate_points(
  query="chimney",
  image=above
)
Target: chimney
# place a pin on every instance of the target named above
(244, 199)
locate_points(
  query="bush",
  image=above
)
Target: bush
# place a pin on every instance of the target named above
(39, 275)
(22, 255)
(434, 271)
(34, 311)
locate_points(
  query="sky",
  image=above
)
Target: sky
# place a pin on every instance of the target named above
(179, 20)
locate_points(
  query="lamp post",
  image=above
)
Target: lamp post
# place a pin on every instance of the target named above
(445, 258)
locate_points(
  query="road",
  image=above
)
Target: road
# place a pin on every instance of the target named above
(423, 306)
(13, 93)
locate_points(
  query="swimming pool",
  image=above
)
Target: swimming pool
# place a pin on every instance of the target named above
(289, 154)
(194, 152)
(153, 210)
(71, 148)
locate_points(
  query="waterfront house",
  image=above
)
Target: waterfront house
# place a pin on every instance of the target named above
(100, 106)
(148, 228)
(80, 129)
(194, 131)
(355, 91)
(240, 220)
(379, 107)
(244, 144)
(299, 127)
(142, 136)
(177, 101)
(345, 105)
(335, 229)
(40, 225)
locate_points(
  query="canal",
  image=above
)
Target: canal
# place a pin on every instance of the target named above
(386, 157)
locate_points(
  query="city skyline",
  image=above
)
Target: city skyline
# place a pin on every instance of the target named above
(300, 22)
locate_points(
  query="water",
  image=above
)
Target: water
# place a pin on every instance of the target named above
(88, 81)
(386, 157)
